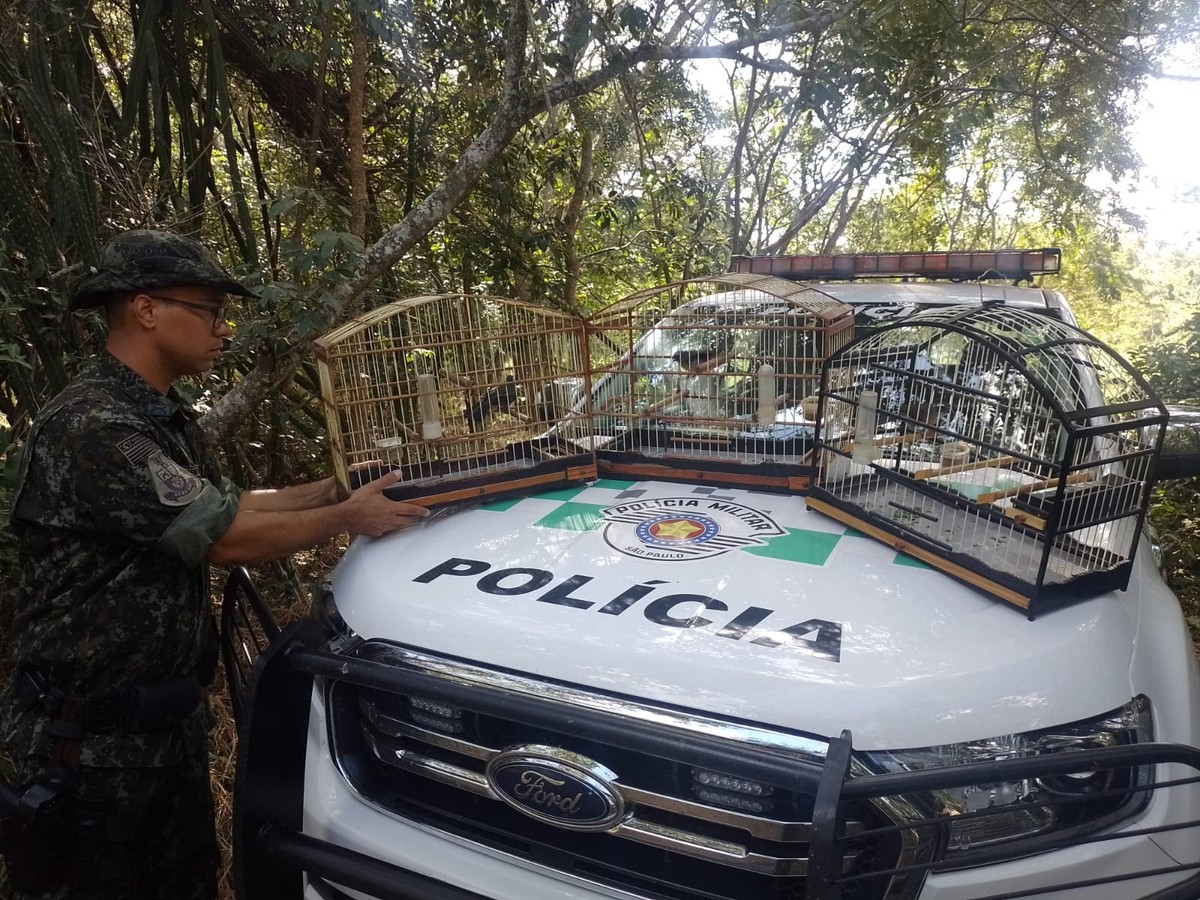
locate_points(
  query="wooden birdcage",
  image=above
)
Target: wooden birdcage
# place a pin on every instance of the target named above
(715, 375)
(461, 392)
(1003, 447)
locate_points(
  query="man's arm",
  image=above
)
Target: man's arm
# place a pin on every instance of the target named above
(297, 497)
(259, 535)
(306, 496)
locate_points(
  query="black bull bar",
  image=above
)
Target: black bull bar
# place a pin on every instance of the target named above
(271, 852)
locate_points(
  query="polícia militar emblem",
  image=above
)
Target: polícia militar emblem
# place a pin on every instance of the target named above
(174, 485)
(679, 528)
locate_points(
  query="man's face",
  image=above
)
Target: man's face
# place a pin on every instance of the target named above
(193, 327)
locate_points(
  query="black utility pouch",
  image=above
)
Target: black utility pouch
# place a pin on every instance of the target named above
(161, 705)
(31, 836)
(50, 839)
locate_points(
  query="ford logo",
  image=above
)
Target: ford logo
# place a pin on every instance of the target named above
(557, 786)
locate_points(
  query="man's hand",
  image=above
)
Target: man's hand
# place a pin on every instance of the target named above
(359, 473)
(260, 535)
(368, 511)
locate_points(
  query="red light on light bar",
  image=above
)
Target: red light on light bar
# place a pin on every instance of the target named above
(1016, 265)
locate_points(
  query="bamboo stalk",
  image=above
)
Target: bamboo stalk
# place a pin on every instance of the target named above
(244, 233)
(133, 88)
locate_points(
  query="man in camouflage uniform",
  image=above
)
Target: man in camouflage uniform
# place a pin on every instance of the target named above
(120, 507)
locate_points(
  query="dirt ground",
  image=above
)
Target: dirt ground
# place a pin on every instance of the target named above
(288, 590)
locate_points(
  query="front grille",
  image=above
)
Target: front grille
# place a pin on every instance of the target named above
(687, 833)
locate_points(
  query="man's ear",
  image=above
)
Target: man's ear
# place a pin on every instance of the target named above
(142, 312)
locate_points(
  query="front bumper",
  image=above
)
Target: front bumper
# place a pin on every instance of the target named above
(294, 824)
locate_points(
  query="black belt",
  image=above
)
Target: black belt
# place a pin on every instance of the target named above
(136, 707)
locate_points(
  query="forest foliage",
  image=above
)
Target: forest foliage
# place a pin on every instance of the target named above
(341, 154)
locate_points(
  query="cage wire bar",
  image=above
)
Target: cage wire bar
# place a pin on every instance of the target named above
(458, 391)
(1010, 450)
(713, 375)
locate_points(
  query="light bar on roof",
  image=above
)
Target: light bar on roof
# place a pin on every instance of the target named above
(1016, 265)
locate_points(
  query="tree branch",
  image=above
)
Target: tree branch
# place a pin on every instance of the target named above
(623, 60)
(512, 113)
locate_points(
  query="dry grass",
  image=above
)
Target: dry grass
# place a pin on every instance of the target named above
(1189, 599)
(223, 757)
(288, 591)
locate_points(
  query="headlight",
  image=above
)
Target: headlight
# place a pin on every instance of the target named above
(1005, 819)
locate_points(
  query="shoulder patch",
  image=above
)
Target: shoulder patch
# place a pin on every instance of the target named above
(174, 484)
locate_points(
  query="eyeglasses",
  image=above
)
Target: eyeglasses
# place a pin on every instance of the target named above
(218, 313)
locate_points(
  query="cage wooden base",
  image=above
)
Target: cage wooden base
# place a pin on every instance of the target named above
(764, 477)
(493, 489)
(916, 551)
(1007, 571)
(521, 467)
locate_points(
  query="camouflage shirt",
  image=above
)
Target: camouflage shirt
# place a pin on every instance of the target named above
(118, 500)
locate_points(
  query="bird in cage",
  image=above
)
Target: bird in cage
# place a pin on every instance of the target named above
(497, 400)
(556, 398)
(926, 411)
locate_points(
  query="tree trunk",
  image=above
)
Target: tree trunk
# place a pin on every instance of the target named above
(583, 179)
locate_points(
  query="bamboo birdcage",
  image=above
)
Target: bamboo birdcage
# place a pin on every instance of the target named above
(458, 391)
(1001, 446)
(710, 375)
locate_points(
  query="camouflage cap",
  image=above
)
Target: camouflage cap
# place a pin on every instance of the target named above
(141, 259)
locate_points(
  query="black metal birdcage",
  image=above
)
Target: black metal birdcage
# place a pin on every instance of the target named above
(1004, 447)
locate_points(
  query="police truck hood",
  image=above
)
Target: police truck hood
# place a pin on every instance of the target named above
(735, 603)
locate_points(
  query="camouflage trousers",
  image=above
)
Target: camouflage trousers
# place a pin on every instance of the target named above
(173, 854)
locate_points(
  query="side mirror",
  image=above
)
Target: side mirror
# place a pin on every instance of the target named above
(1180, 457)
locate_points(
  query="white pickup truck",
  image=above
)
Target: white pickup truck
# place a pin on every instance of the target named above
(695, 688)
